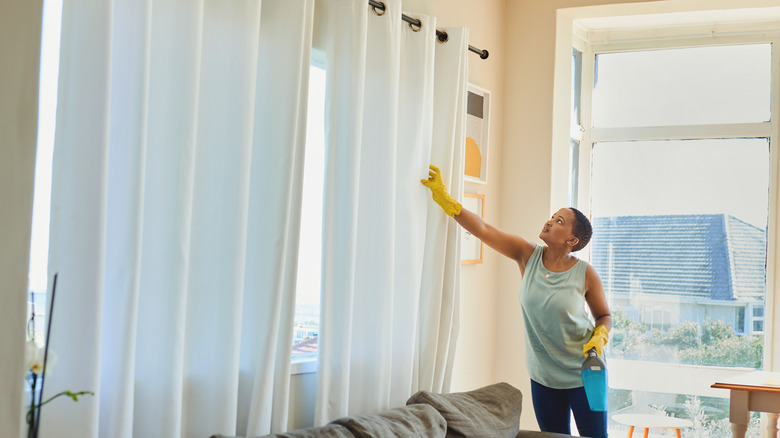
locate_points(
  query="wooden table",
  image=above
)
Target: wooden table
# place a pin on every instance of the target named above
(648, 421)
(754, 391)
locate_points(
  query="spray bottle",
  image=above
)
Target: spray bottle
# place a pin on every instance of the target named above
(594, 379)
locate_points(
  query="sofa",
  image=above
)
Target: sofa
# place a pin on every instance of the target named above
(491, 411)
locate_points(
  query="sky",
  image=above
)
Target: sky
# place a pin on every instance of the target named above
(47, 105)
(682, 177)
(712, 85)
(309, 268)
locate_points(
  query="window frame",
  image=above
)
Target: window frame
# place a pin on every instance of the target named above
(757, 318)
(590, 43)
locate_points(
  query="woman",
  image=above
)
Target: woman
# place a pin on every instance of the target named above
(556, 286)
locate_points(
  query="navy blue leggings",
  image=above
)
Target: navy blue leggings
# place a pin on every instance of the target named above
(553, 409)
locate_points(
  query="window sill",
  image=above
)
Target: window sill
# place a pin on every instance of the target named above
(669, 377)
(303, 364)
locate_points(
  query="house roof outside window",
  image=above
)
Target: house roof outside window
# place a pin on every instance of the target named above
(699, 257)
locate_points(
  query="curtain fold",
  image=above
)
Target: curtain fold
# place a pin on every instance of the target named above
(441, 267)
(174, 73)
(20, 49)
(371, 337)
(394, 102)
(275, 202)
(176, 134)
(415, 128)
(345, 78)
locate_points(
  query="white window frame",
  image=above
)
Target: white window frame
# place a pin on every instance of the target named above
(754, 318)
(694, 380)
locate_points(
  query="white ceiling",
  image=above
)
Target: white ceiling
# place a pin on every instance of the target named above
(687, 18)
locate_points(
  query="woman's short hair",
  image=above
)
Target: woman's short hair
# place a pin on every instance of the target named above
(581, 229)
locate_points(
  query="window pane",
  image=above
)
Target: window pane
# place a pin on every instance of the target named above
(307, 298)
(576, 86)
(681, 248)
(574, 161)
(740, 326)
(701, 85)
(38, 274)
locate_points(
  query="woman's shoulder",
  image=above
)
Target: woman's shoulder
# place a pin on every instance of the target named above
(590, 271)
(533, 258)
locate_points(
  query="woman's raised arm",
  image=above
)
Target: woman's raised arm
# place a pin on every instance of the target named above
(510, 245)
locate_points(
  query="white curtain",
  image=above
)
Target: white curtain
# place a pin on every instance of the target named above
(20, 50)
(395, 102)
(175, 207)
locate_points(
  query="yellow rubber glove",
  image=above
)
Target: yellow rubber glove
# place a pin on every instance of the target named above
(598, 340)
(439, 192)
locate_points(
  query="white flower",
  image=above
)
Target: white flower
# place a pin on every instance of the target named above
(34, 356)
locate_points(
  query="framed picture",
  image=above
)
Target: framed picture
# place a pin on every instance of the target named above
(471, 247)
(477, 144)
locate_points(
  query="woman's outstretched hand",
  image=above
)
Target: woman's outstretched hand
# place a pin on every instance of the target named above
(439, 192)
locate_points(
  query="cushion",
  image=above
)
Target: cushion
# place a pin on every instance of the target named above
(409, 421)
(329, 431)
(535, 434)
(492, 411)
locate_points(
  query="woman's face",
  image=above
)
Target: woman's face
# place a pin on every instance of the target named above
(558, 229)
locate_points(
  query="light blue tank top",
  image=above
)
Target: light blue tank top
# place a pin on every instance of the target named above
(557, 324)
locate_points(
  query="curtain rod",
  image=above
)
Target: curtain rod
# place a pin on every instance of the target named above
(440, 34)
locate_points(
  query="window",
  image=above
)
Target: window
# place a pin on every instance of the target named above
(758, 319)
(683, 86)
(666, 228)
(307, 304)
(740, 317)
(678, 139)
(38, 280)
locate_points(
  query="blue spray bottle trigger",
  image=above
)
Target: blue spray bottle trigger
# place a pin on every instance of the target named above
(594, 379)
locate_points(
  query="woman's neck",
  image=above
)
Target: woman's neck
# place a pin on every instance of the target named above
(555, 258)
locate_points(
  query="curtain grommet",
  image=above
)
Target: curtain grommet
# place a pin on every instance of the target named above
(442, 37)
(379, 10)
(415, 27)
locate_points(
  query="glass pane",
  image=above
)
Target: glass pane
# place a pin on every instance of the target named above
(740, 326)
(574, 165)
(681, 248)
(701, 85)
(307, 297)
(38, 274)
(576, 86)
